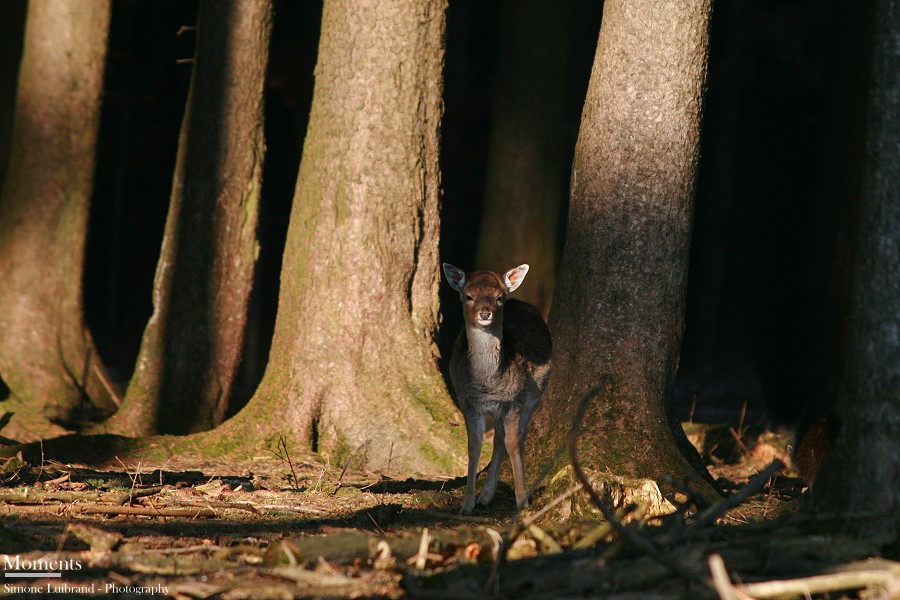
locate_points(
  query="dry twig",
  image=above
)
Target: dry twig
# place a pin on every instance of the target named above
(755, 485)
(722, 582)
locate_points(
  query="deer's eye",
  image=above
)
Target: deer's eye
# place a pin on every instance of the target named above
(470, 298)
(499, 299)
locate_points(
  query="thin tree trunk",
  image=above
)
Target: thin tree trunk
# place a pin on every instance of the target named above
(352, 371)
(526, 163)
(191, 348)
(862, 471)
(618, 311)
(47, 357)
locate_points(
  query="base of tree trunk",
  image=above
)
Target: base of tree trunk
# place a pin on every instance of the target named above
(653, 451)
(99, 450)
(26, 426)
(621, 491)
(239, 438)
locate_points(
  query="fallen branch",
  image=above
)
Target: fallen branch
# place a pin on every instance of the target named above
(546, 540)
(146, 511)
(354, 546)
(99, 540)
(883, 574)
(516, 531)
(248, 506)
(35, 496)
(857, 576)
(103, 509)
(721, 581)
(422, 554)
(599, 532)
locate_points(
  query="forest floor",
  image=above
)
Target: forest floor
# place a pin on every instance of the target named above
(281, 527)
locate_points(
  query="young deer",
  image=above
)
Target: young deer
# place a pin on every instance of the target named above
(500, 367)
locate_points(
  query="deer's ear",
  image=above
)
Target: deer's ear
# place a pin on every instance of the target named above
(455, 277)
(514, 277)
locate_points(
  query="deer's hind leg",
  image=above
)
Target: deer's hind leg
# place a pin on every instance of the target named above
(514, 441)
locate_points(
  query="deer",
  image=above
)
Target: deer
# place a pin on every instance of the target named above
(499, 368)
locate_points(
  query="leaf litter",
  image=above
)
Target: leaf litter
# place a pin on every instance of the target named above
(274, 527)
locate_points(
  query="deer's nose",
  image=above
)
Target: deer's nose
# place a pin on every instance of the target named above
(484, 315)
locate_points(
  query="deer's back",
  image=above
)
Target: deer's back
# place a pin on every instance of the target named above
(526, 336)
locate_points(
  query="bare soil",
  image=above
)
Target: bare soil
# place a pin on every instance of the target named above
(275, 527)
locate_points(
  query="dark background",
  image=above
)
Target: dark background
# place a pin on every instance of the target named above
(775, 210)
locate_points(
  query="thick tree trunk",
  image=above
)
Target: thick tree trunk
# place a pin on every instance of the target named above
(192, 345)
(12, 32)
(862, 471)
(618, 310)
(47, 357)
(527, 155)
(352, 371)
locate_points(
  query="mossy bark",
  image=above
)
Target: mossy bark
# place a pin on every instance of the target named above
(861, 474)
(525, 184)
(352, 370)
(191, 348)
(47, 356)
(618, 311)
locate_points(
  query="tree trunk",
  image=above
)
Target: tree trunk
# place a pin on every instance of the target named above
(352, 370)
(12, 32)
(527, 154)
(47, 357)
(618, 312)
(191, 348)
(861, 472)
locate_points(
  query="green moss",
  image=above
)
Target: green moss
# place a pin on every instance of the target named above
(12, 465)
(348, 491)
(251, 202)
(557, 485)
(272, 512)
(441, 459)
(427, 399)
(342, 452)
(615, 458)
(440, 407)
(224, 445)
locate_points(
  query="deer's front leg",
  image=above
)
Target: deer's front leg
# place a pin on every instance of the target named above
(475, 434)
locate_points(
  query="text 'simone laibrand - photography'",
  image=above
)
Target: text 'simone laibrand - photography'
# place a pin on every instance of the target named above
(49, 575)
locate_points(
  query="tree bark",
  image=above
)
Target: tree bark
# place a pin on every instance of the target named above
(861, 472)
(191, 348)
(47, 357)
(352, 370)
(618, 312)
(527, 155)
(12, 34)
